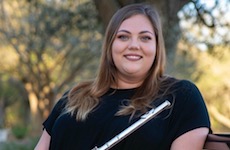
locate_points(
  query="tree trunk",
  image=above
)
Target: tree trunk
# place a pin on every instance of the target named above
(35, 116)
(40, 106)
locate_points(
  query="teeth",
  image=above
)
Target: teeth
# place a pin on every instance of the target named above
(133, 57)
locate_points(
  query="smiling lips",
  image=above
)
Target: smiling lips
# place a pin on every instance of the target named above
(133, 57)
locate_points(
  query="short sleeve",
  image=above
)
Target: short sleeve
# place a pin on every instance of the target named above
(56, 111)
(190, 111)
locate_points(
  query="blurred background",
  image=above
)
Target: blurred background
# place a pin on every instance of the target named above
(47, 46)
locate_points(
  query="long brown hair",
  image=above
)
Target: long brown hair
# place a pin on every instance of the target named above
(84, 97)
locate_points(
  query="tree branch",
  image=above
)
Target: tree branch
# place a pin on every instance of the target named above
(201, 11)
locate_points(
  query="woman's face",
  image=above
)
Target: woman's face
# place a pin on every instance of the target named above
(134, 50)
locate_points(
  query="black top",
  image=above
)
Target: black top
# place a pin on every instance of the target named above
(188, 112)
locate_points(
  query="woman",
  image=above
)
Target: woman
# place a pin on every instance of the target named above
(130, 81)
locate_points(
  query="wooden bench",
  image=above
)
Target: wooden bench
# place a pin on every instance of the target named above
(217, 142)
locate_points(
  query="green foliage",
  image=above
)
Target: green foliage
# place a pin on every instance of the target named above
(204, 56)
(26, 144)
(206, 23)
(48, 45)
(215, 85)
(210, 72)
(54, 44)
(12, 95)
(7, 93)
(19, 131)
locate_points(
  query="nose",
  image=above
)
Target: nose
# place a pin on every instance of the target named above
(134, 45)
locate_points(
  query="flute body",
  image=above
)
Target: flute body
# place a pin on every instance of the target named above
(143, 119)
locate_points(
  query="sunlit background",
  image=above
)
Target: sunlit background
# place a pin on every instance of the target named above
(47, 46)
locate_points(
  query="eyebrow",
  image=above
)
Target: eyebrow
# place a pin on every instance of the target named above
(142, 32)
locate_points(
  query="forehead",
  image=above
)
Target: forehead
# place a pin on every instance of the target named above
(136, 22)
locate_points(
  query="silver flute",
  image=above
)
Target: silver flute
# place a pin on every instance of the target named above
(143, 119)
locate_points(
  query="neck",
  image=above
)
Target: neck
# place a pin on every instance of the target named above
(127, 83)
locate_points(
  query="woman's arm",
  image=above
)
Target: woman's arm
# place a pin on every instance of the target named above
(192, 140)
(44, 141)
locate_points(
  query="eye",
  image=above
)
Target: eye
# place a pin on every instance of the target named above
(123, 37)
(146, 38)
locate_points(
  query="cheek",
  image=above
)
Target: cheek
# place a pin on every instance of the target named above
(115, 51)
(150, 52)
(117, 47)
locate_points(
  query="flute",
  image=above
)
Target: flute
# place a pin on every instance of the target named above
(143, 119)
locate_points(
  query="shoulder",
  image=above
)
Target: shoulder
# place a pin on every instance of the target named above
(187, 94)
(183, 92)
(171, 85)
(184, 86)
(189, 110)
(187, 87)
